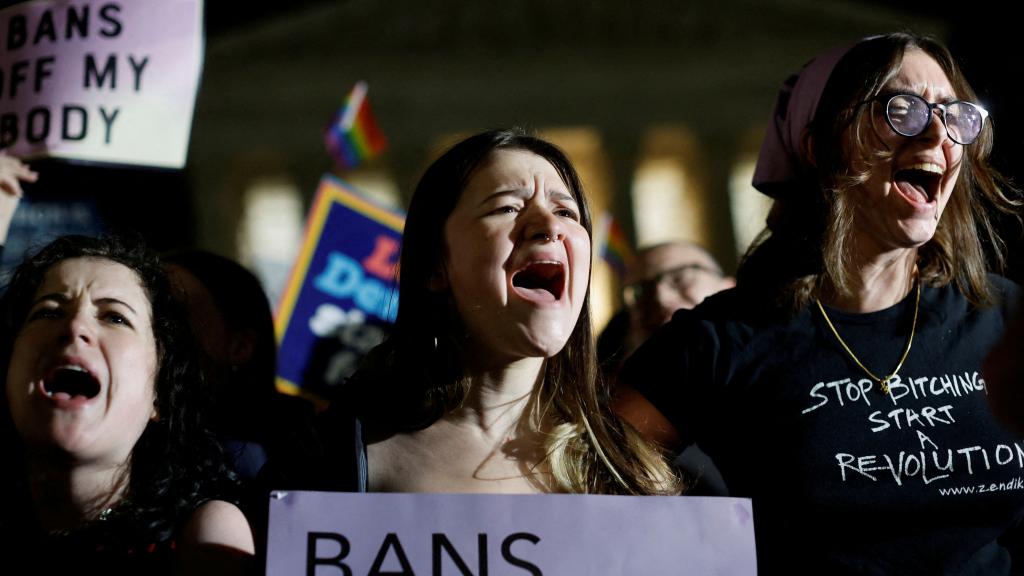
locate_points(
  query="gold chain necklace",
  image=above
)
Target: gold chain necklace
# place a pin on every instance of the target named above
(883, 382)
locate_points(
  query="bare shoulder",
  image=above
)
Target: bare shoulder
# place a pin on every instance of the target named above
(219, 522)
(216, 539)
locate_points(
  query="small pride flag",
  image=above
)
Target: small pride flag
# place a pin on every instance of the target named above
(353, 136)
(615, 247)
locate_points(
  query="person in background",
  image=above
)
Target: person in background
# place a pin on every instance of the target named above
(663, 278)
(838, 385)
(109, 468)
(668, 277)
(230, 317)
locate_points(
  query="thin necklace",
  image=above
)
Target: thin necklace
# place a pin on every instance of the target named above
(883, 382)
(101, 517)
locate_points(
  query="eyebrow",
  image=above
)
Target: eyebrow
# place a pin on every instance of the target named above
(524, 192)
(896, 87)
(517, 192)
(109, 300)
(63, 299)
(560, 195)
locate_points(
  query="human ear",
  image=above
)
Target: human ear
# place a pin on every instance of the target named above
(807, 146)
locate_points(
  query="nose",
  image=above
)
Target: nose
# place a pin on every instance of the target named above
(542, 224)
(79, 328)
(936, 130)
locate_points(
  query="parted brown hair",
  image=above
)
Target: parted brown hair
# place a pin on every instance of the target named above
(416, 376)
(816, 223)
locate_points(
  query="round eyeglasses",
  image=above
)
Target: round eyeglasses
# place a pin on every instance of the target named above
(679, 279)
(910, 115)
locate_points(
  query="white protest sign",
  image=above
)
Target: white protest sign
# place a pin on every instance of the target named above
(328, 533)
(100, 80)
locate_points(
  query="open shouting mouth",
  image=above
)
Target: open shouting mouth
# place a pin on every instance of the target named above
(70, 382)
(541, 280)
(921, 182)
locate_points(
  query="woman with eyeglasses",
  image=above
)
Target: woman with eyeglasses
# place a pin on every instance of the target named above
(839, 384)
(667, 277)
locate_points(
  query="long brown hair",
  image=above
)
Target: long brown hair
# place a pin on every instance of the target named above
(416, 376)
(816, 223)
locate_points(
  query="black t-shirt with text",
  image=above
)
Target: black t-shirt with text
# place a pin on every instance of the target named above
(844, 478)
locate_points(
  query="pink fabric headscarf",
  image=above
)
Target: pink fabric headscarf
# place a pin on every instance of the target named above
(782, 163)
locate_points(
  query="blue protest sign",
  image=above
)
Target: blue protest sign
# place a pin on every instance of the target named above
(342, 294)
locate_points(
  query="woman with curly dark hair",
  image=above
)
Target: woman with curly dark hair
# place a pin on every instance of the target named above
(109, 464)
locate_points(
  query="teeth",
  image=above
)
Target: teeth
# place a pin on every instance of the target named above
(926, 167)
(72, 367)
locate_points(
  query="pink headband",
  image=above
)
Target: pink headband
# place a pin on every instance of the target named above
(783, 161)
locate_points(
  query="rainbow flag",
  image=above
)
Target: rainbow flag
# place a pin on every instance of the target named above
(353, 136)
(615, 247)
